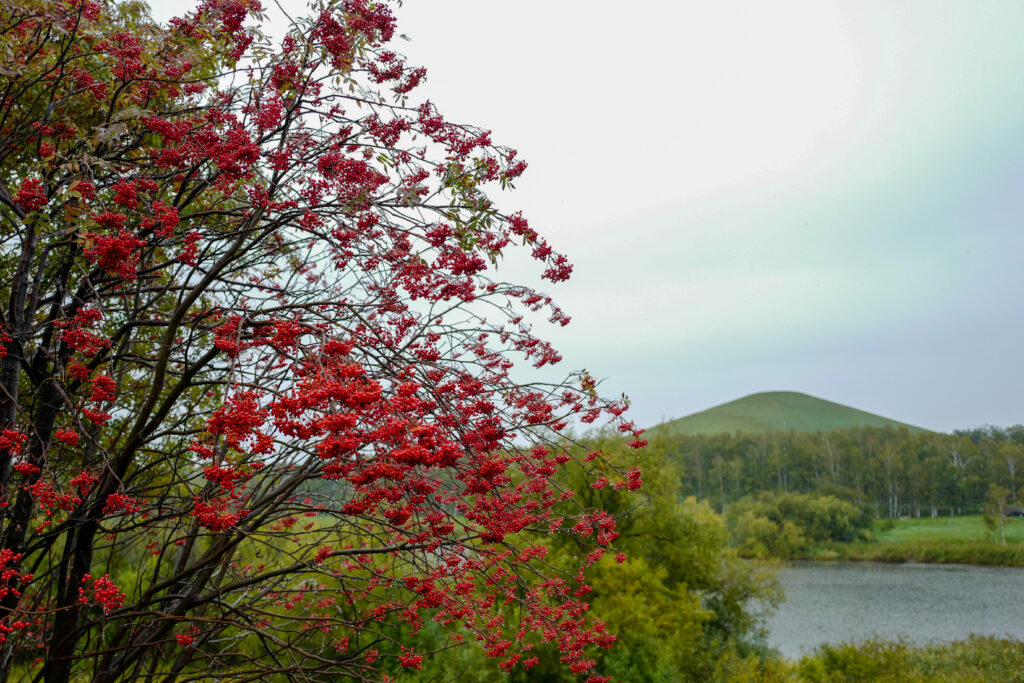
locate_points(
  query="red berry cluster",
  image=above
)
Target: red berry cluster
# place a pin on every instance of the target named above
(215, 514)
(11, 581)
(115, 253)
(119, 503)
(30, 195)
(188, 637)
(102, 592)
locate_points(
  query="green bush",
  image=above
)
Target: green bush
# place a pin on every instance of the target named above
(786, 524)
(872, 660)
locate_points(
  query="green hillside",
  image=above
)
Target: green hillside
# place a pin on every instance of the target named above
(777, 411)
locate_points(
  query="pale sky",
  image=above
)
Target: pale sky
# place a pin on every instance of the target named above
(813, 196)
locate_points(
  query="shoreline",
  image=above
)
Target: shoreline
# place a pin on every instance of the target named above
(969, 553)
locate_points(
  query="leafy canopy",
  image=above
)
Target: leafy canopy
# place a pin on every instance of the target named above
(260, 411)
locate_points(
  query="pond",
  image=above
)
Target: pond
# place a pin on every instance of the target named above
(837, 602)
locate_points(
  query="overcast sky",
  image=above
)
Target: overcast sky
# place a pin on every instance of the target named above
(813, 196)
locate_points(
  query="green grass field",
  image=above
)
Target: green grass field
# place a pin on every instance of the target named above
(948, 529)
(942, 540)
(777, 411)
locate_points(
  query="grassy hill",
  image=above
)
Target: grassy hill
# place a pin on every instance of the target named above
(777, 411)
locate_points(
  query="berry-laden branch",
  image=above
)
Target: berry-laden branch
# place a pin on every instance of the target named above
(262, 408)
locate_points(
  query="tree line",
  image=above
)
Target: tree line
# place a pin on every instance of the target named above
(891, 471)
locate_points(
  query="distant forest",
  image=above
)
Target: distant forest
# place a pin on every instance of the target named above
(894, 472)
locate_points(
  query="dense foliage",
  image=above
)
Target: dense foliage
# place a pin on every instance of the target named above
(777, 524)
(676, 553)
(264, 407)
(683, 605)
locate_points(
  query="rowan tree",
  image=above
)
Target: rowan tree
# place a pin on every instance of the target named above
(265, 406)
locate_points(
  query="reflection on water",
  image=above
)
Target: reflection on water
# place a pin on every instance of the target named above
(831, 603)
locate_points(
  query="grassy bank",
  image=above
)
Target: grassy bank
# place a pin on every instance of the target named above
(939, 540)
(931, 552)
(980, 659)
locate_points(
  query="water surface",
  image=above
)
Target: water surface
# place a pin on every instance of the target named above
(836, 602)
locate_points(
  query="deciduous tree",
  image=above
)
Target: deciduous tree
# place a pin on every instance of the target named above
(264, 404)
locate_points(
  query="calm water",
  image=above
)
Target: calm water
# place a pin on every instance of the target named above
(831, 603)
